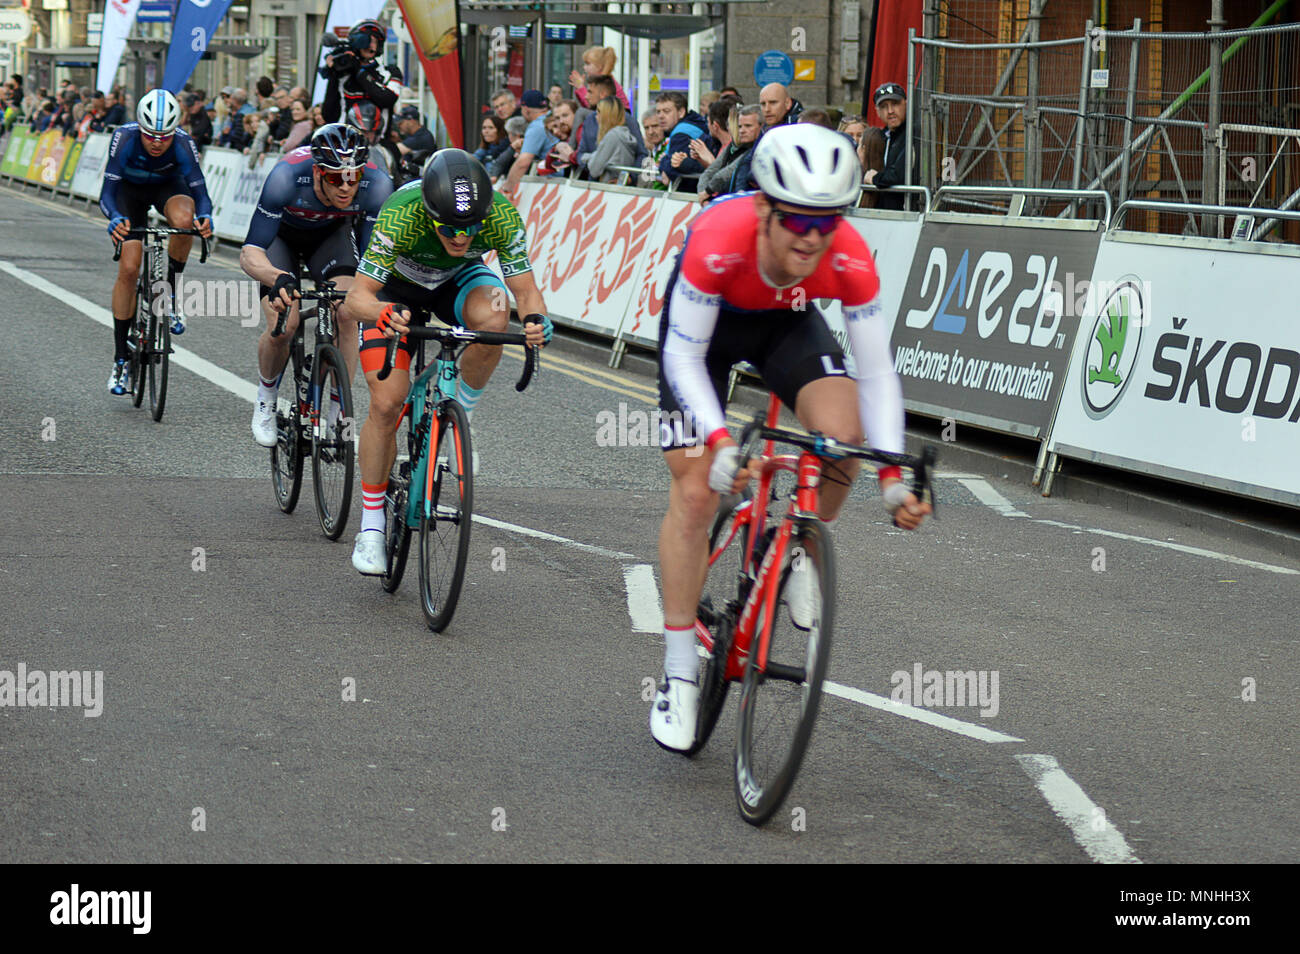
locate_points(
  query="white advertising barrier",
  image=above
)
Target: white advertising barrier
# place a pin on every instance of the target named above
(1187, 366)
(234, 188)
(89, 174)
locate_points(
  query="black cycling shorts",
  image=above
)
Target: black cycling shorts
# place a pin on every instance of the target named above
(134, 199)
(788, 348)
(327, 253)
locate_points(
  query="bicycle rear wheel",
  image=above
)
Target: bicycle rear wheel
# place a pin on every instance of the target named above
(398, 535)
(778, 705)
(286, 455)
(445, 517)
(160, 340)
(332, 446)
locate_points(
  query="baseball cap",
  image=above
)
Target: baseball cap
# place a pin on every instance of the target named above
(191, 99)
(534, 99)
(227, 90)
(409, 112)
(888, 91)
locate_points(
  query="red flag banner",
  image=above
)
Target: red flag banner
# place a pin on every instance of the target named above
(889, 48)
(434, 26)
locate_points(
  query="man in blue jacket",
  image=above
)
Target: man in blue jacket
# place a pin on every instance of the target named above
(682, 126)
(598, 88)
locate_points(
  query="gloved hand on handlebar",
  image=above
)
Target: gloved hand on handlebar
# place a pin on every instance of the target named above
(907, 511)
(119, 227)
(548, 329)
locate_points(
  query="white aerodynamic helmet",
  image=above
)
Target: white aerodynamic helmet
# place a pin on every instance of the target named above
(808, 165)
(158, 114)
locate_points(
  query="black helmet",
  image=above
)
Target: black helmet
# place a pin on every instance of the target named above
(456, 189)
(361, 32)
(364, 116)
(336, 146)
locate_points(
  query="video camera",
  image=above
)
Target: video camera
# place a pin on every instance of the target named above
(346, 60)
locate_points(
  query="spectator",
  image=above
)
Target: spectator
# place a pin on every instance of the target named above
(115, 113)
(555, 95)
(504, 105)
(707, 100)
(596, 61)
(258, 128)
(235, 134)
(415, 136)
(600, 87)
(516, 126)
(733, 93)
(681, 127)
(818, 116)
(93, 120)
(871, 153)
(656, 149)
(854, 127)
(317, 119)
(300, 92)
(492, 139)
(778, 106)
(283, 121)
(566, 128)
(719, 113)
(301, 129)
(891, 106)
(265, 87)
(357, 74)
(615, 145)
(744, 123)
(537, 141)
(200, 127)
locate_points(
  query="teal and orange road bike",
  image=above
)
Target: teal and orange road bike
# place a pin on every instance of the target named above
(752, 637)
(150, 343)
(433, 490)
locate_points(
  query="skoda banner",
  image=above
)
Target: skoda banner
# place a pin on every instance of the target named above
(987, 320)
(1187, 366)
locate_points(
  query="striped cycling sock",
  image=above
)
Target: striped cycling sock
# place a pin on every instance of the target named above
(372, 503)
(468, 397)
(267, 390)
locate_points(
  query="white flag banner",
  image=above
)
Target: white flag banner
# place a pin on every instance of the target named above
(118, 17)
(343, 13)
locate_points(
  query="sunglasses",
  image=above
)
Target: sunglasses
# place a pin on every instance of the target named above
(150, 137)
(451, 233)
(801, 223)
(337, 177)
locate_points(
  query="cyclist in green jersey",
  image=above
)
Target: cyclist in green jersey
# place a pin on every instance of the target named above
(426, 251)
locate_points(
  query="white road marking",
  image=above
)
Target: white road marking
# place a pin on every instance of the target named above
(947, 723)
(543, 535)
(1085, 819)
(643, 598)
(180, 356)
(1179, 547)
(986, 495)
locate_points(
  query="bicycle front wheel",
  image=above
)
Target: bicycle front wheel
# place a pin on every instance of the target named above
(139, 339)
(445, 517)
(398, 536)
(332, 444)
(778, 703)
(160, 341)
(286, 455)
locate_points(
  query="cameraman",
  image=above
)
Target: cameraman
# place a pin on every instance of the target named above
(355, 76)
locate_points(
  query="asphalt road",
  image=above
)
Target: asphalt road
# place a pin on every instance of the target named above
(225, 632)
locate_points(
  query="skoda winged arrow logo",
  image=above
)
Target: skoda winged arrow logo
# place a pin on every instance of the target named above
(1113, 347)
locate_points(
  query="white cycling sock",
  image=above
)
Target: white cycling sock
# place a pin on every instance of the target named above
(680, 658)
(266, 392)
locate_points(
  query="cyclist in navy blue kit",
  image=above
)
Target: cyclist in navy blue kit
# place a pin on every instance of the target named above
(151, 163)
(317, 206)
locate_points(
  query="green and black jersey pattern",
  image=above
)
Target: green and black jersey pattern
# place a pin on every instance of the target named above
(404, 241)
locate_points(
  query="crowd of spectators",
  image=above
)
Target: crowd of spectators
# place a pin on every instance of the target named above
(707, 150)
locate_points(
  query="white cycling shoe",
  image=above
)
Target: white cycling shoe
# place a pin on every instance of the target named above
(799, 592)
(264, 424)
(370, 555)
(673, 715)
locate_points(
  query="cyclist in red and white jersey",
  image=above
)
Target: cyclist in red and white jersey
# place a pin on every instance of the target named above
(743, 290)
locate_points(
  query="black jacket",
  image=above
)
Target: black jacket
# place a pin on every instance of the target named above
(899, 150)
